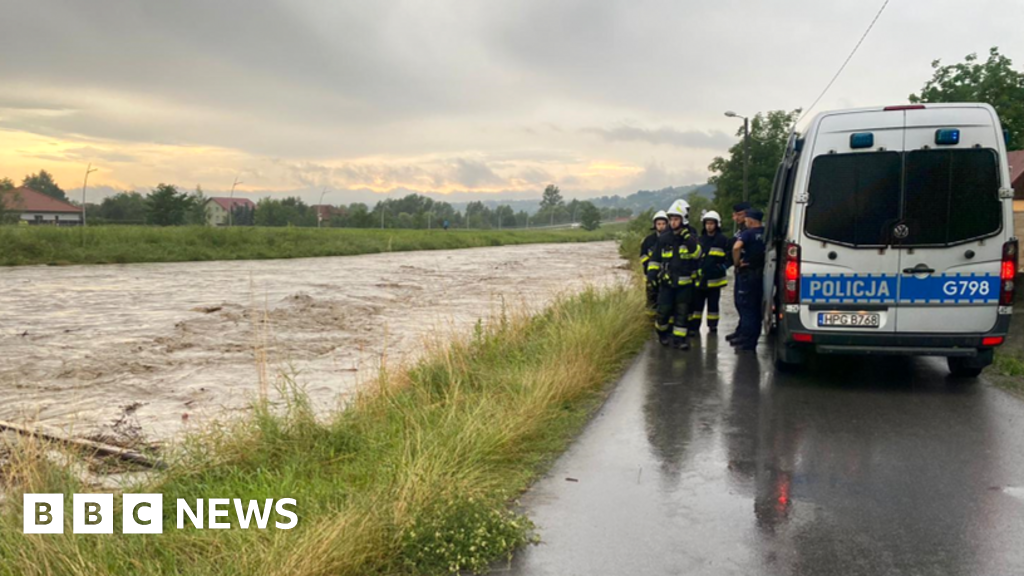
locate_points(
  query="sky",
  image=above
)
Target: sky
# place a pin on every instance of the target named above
(463, 99)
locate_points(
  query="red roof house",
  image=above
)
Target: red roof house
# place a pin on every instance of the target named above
(218, 209)
(37, 208)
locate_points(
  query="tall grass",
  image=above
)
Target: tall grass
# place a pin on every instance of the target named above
(20, 245)
(415, 477)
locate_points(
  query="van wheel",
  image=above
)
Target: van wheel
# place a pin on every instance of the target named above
(963, 367)
(787, 359)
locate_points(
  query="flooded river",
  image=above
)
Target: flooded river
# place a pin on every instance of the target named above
(143, 351)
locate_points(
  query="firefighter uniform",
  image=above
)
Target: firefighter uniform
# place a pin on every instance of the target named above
(711, 276)
(646, 249)
(674, 264)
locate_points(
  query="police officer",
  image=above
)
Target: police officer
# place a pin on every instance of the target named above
(659, 223)
(739, 216)
(674, 264)
(748, 256)
(711, 272)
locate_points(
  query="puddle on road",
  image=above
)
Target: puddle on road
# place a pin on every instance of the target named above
(135, 351)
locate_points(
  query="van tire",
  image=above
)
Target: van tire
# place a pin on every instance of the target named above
(964, 367)
(787, 359)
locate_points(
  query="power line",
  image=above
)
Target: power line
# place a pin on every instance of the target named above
(847, 61)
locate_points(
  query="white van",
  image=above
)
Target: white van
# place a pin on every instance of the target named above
(890, 231)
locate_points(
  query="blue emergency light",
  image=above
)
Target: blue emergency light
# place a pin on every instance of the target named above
(862, 140)
(947, 136)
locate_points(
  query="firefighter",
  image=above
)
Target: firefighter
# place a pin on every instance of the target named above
(748, 256)
(674, 265)
(711, 273)
(659, 223)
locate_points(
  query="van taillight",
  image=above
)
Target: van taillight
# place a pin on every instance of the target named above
(791, 287)
(904, 107)
(1007, 273)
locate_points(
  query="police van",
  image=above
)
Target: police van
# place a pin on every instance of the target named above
(890, 231)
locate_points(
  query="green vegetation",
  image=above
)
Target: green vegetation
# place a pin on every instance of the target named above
(768, 135)
(43, 182)
(1009, 368)
(122, 244)
(993, 81)
(417, 476)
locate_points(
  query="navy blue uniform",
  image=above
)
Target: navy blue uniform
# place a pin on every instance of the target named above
(749, 286)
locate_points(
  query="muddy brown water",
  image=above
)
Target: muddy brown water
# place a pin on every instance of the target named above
(144, 351)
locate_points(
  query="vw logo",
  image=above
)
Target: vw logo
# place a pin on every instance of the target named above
(901, 231)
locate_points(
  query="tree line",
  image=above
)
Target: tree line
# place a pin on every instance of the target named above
(167, 205)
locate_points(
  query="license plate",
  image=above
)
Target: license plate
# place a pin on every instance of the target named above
(849, 319)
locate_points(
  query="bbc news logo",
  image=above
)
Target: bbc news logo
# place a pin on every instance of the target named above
(143, 513)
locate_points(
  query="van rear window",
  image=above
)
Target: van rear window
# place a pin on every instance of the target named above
(854, 198)
(951, 195)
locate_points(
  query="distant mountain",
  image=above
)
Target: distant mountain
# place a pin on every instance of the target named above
(657, 199)
(638, 201)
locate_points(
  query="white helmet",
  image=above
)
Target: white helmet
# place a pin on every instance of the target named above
(680, 208)
(712, 215)
(659, 215)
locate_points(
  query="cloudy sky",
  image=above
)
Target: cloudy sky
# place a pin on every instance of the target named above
(458, 97)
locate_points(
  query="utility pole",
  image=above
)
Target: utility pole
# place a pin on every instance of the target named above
(319, 208)
(746, 160)
(746, 153)
(88, 171)
(231, 204)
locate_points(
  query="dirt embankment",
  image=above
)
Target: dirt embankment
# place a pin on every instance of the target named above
(143, 351)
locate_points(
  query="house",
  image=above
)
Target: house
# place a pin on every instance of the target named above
(37, 208)
(324, 212)
(218, 210)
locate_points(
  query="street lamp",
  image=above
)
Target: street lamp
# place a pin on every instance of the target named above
(319, 208)
(88, 170)
(231, 204)
(746, 152)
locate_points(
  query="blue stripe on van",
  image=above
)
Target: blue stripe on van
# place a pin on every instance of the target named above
(887, 288)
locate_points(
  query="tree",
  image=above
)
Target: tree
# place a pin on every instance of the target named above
(165, 206)
(504, 217)
(242, 215)
(123, 208)
(196, 210)
(768, 136)
(43, 182)
(590, 216)
(552, 197)
(994, 82)
(7, 201)
(551, 203)
(6, 184)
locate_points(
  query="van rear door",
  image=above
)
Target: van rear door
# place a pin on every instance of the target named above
(949, 238)
(849, 274)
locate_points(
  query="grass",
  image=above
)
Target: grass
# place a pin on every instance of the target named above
(417, 476)
(23, 245)
(1009, 368)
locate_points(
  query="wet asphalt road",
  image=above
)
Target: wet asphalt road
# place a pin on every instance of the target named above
(711, 463)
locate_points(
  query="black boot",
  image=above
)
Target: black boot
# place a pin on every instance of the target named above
(682, 344)
(664, 339)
